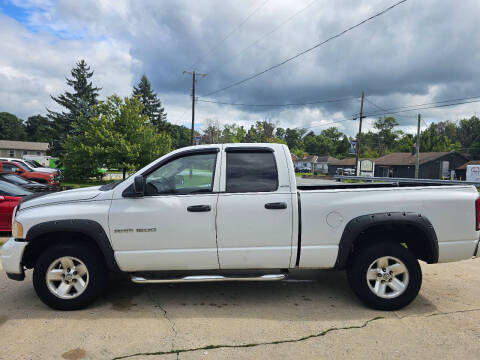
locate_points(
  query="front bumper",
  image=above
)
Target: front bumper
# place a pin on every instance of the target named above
(12, 253)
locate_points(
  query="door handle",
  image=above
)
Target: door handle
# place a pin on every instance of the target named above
(276, 206)
(199, 208)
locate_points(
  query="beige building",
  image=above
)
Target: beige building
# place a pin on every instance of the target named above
(16, 149)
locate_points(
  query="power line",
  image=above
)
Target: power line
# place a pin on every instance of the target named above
(307, 50)
(387, 111)
(234, 30)
(425, 108)
(380, 108)
(277, 105)
(286, 21)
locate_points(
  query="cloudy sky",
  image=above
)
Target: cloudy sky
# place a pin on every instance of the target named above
(420, 52)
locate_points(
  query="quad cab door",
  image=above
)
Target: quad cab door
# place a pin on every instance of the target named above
(172, 227)
(254, 212)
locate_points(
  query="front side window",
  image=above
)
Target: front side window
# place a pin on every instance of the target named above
(185, 175)
(251, 172)
(10, 168)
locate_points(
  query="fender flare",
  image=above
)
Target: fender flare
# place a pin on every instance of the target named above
(89, 228)
(360, 224)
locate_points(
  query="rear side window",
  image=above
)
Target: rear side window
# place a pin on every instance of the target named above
(249, 171)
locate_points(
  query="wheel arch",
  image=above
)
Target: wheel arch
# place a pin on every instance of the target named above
(46, 234)
(363, 230)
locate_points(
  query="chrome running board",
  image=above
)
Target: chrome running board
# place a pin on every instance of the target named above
(207, 278)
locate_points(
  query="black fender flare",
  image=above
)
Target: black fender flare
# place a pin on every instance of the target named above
(360, 224)
(89, 228)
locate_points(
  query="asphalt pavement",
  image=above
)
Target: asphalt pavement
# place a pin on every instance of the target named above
(313, 316)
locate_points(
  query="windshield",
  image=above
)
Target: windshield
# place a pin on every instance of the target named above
(15, 179)
(24, 165)
(33, 163)
(12, 190)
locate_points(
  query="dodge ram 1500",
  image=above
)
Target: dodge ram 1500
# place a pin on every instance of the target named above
(233, 212)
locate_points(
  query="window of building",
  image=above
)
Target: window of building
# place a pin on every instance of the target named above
(12, 153)
(250, 171)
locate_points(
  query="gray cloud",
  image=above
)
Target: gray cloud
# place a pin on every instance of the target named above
(420, 52)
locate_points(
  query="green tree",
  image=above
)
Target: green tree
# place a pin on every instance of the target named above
(39, 128)
(79, 103)
(118, 137)
(152, 107)
(386, 136)
(11, 127)
(343, 147)
(179, 134)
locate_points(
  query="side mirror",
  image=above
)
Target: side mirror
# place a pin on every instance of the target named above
(18, 171)
(179, 180)
(139, 185)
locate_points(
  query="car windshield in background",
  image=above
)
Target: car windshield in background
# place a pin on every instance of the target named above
(12, 190)
(15, 179)
(24, 165)
(33, 163)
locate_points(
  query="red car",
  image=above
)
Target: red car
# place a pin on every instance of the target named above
(10, 167)
(10, 195)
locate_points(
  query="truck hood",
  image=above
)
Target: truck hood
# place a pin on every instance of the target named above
(40, 199)
(45, 170)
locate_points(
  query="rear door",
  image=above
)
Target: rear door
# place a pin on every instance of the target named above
(254, 211)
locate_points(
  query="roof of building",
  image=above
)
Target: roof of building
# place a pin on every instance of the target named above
(349, 161)
(23, 145)
(464, 166)
(405, 159)
(315, 159)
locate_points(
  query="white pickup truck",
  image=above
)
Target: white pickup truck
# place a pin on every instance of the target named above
(234, 212)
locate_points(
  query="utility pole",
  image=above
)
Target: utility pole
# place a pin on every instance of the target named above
(417, 149)
(194, 80)
(357, 170)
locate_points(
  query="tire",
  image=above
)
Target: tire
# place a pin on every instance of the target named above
(73, 291)
(385, 290)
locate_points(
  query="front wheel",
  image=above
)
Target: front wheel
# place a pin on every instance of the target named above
(69, 276)
(385, 276)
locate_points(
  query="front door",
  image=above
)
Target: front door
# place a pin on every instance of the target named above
(173, 226)
(254, 212)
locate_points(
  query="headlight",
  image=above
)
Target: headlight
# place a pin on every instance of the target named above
(17, 230)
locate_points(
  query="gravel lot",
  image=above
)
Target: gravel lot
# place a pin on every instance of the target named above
(296, 319)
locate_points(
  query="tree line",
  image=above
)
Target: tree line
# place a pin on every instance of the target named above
(462, 136)
(128, 133)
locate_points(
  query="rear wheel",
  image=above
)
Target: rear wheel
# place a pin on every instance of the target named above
(69, 276)
(385, 276)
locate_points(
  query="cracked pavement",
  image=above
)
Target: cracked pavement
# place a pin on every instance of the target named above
(299, 318)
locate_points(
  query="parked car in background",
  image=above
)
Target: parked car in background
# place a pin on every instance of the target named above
(27, 172)
(346, 172)
(303, 170)
(10, 196)
(34, 165)
(26, 184)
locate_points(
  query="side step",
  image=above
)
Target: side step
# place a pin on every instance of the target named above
(207, 278)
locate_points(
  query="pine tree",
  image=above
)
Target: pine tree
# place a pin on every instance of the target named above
(152, 107)
(78, 103)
